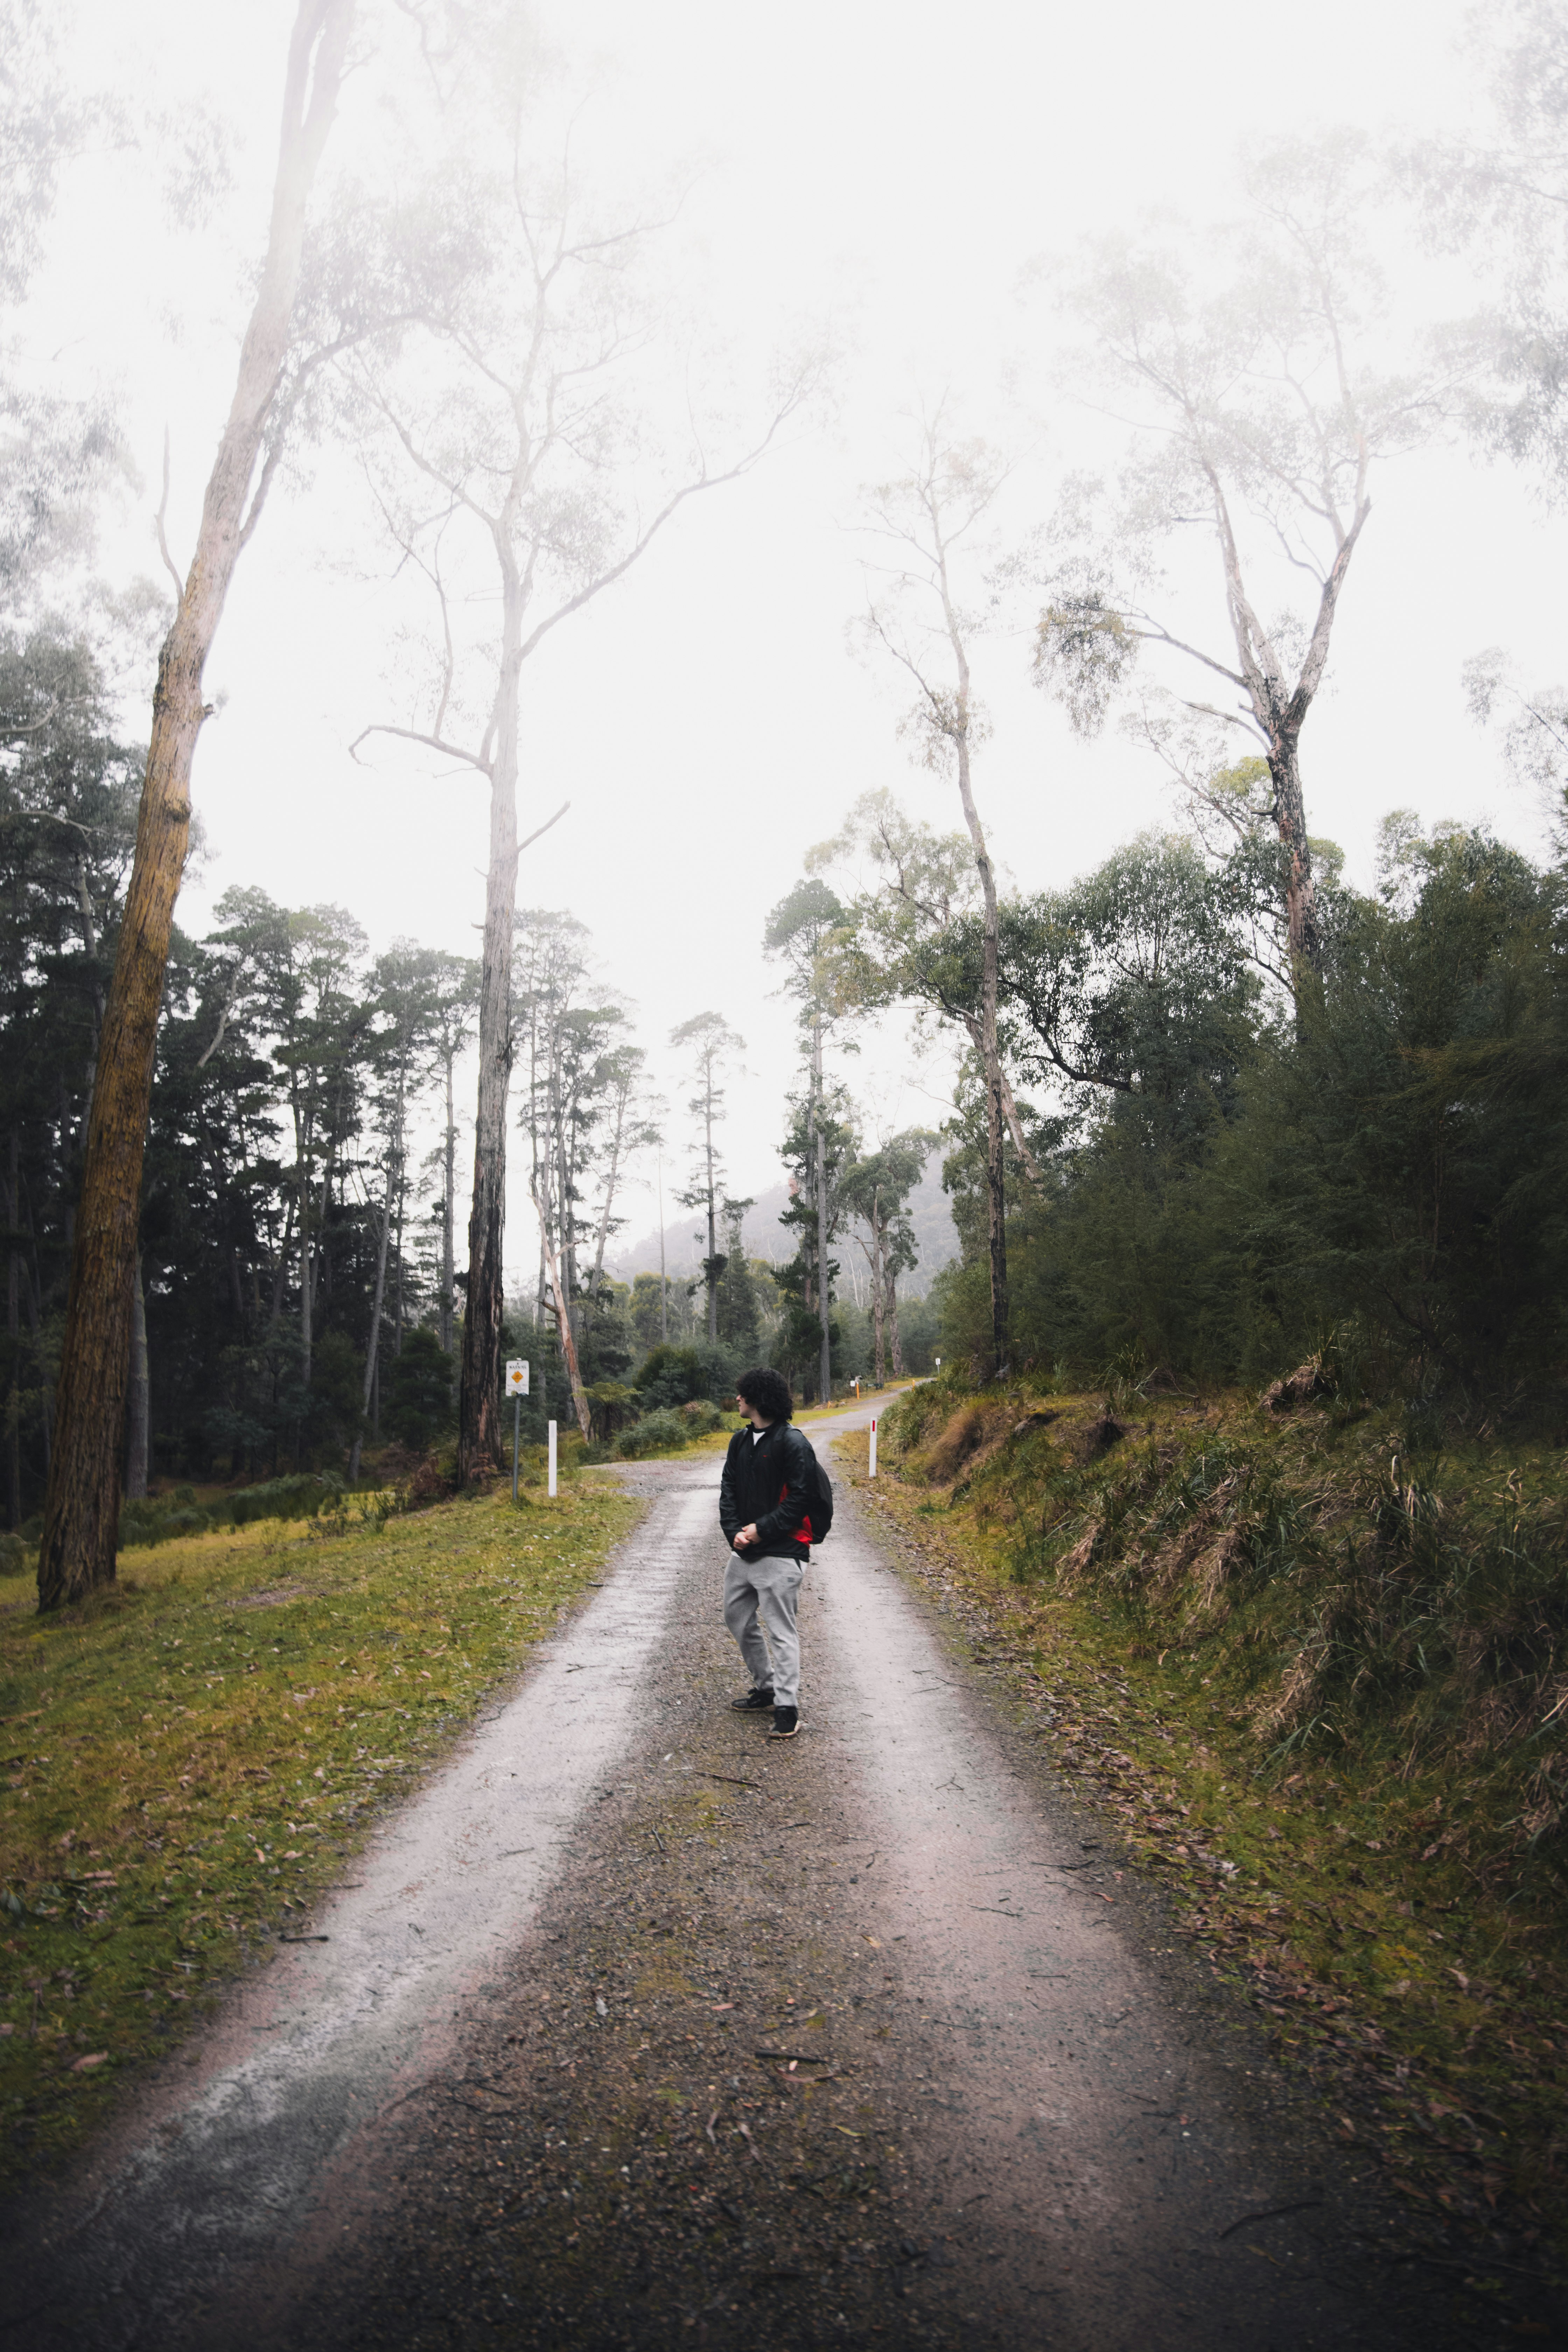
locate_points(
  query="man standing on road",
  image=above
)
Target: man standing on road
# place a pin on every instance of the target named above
(764, 1511)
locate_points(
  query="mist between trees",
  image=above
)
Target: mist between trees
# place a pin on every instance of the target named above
(300, 1299)
(1214, 1107)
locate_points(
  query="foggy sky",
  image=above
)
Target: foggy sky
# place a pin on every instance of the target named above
(894, 169)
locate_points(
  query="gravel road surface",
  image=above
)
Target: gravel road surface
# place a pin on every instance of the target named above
(638, 2028)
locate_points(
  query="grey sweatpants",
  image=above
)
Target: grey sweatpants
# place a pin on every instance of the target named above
(760, 1597)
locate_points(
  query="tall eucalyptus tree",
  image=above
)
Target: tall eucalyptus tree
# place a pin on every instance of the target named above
(924, 613)
(1262, 410)
(875, 1191)
(800, 931)
(524, 437)
(81, 1510)
(711, 1047)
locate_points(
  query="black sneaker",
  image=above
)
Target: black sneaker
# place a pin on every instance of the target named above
(786, 1722)
(754, 1701)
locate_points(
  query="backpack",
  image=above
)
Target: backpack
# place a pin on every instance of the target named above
(818, 1494)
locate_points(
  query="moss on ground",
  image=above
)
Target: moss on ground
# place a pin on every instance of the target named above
(190, 1757)
(1321, 1686)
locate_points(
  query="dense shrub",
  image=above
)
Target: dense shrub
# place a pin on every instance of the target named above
(421, 1391)
(159, 1520)
(657, 1432)
(611, 1404)
(676, 1376)
(298, 1497)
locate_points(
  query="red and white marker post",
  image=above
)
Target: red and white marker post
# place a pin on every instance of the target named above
(873, 1445)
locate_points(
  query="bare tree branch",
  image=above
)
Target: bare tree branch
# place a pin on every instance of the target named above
(431, 743)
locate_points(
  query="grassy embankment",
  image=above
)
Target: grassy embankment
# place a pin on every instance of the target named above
(189, 1757)
(1322, 1688)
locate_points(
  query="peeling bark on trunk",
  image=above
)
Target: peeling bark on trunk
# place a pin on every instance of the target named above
(990, 1045)
(564, 1326)
(1279, 710)
(893, 1327)
(81, 1509)
(480, 1438)
(1302, 928)
(1015, 1128)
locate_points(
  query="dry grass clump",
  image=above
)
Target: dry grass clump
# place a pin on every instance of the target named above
(967, 1434)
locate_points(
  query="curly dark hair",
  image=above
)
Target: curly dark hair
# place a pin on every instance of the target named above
(769, 1391)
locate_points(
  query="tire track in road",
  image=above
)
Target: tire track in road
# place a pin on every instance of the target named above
(552, 2118)
(1101, 2122)
(214, 2175)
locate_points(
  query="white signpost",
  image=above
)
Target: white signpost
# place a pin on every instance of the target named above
(517, 1388)
(553, 1457)
(873, 1445)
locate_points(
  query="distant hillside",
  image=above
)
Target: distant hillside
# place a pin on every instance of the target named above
(929, 1212)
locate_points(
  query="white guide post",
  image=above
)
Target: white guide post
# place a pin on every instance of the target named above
(553, 1457)
(873, 1445)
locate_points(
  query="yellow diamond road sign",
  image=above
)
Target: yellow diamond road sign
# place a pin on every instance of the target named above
(517, 1376)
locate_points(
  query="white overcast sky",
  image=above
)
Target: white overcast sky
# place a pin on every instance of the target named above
(896, 167)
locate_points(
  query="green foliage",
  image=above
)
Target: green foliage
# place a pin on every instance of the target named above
(299, 1497)
(421, 1406)
(161, 1518)
(156, 1521)
(1133, 986)
(605, 1345)
(648, 1318)
(678, 1376)
(663, 1431)
(611, 1404)
(1382, 1168)
(739, 1300)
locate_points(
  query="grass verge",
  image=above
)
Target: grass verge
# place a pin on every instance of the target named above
(192, 1755)
(1335, 1738)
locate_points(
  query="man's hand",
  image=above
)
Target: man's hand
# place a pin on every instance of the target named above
(746, 1539)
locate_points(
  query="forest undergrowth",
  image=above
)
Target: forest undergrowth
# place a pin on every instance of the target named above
(192, 1755)
(1317, 1676)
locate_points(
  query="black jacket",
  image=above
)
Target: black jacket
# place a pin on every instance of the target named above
(765, 1482)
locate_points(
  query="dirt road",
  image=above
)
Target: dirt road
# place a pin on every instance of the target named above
(638, 2029)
